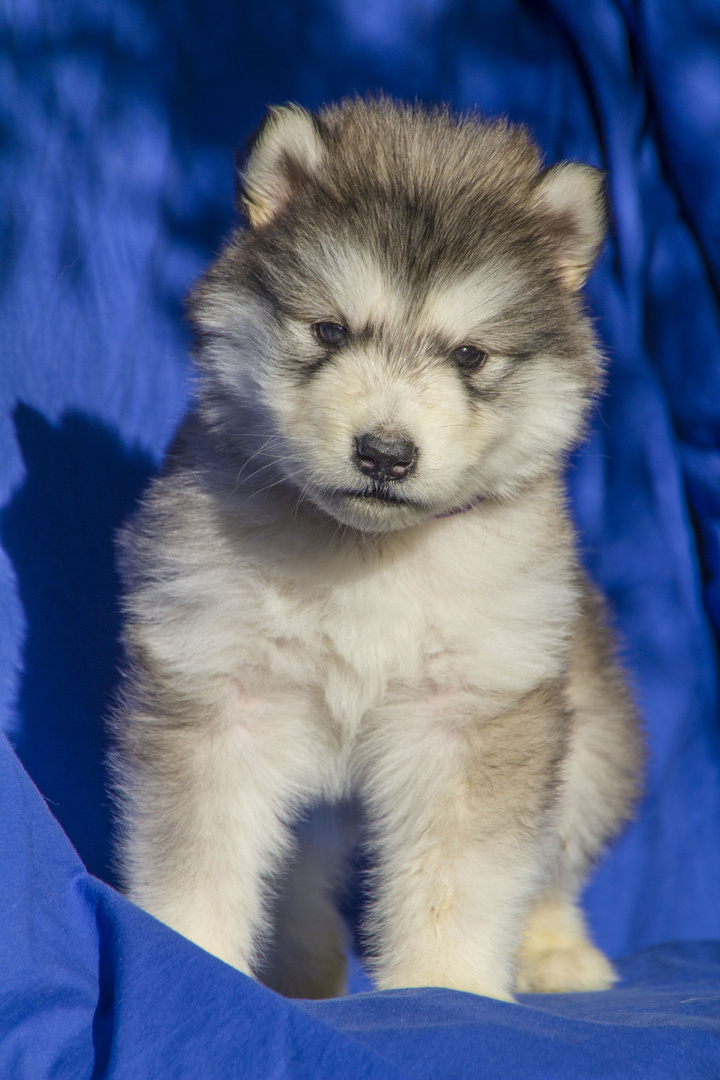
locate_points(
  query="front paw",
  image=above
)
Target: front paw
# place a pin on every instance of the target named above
(462, 980)
(564, 970)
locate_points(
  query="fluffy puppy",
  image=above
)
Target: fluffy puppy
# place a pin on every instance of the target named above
(356, 577)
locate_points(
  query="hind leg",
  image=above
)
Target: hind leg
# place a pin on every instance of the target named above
(599, 788)
(556, 954)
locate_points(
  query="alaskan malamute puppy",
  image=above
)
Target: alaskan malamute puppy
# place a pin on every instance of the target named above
(357, 579)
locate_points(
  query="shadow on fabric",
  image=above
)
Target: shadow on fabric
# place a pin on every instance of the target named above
(81, 483)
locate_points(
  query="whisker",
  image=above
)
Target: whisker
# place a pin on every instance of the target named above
(240, 479)
(269, 487)
(253, 456)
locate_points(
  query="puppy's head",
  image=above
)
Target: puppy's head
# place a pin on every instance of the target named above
(398, 332)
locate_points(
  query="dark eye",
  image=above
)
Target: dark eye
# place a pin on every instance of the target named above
(330, 333)
(469, 357)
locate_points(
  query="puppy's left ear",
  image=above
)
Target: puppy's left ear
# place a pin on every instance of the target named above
(574, 196)
(286, 152)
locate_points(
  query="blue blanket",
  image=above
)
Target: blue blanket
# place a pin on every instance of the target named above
(90, 986)
(118, 121)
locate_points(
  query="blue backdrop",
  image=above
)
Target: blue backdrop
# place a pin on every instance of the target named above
(118, 121)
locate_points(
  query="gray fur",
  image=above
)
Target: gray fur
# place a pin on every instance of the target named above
(298, 634)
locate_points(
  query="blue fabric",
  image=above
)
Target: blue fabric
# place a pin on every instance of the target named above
(118, 119)
(92, 986)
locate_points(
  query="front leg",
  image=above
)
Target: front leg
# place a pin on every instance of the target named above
(461, 818)
(206, 807)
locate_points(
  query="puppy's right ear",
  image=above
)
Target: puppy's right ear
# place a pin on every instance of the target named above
(285, 153)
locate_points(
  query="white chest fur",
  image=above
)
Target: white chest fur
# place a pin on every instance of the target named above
(483, 599)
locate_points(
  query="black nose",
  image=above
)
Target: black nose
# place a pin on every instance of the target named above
(384, 459)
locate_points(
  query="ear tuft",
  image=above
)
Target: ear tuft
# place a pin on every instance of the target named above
(286, 152)
(574, 197)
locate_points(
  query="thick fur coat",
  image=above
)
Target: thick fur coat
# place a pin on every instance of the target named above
(356, 579)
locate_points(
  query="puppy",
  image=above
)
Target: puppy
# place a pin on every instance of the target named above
(357, 577)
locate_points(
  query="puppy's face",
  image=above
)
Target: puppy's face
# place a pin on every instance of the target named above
(398, 335)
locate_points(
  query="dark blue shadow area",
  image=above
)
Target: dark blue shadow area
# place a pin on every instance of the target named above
(58, 530)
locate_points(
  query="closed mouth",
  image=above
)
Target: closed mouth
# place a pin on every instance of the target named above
(378, 492)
